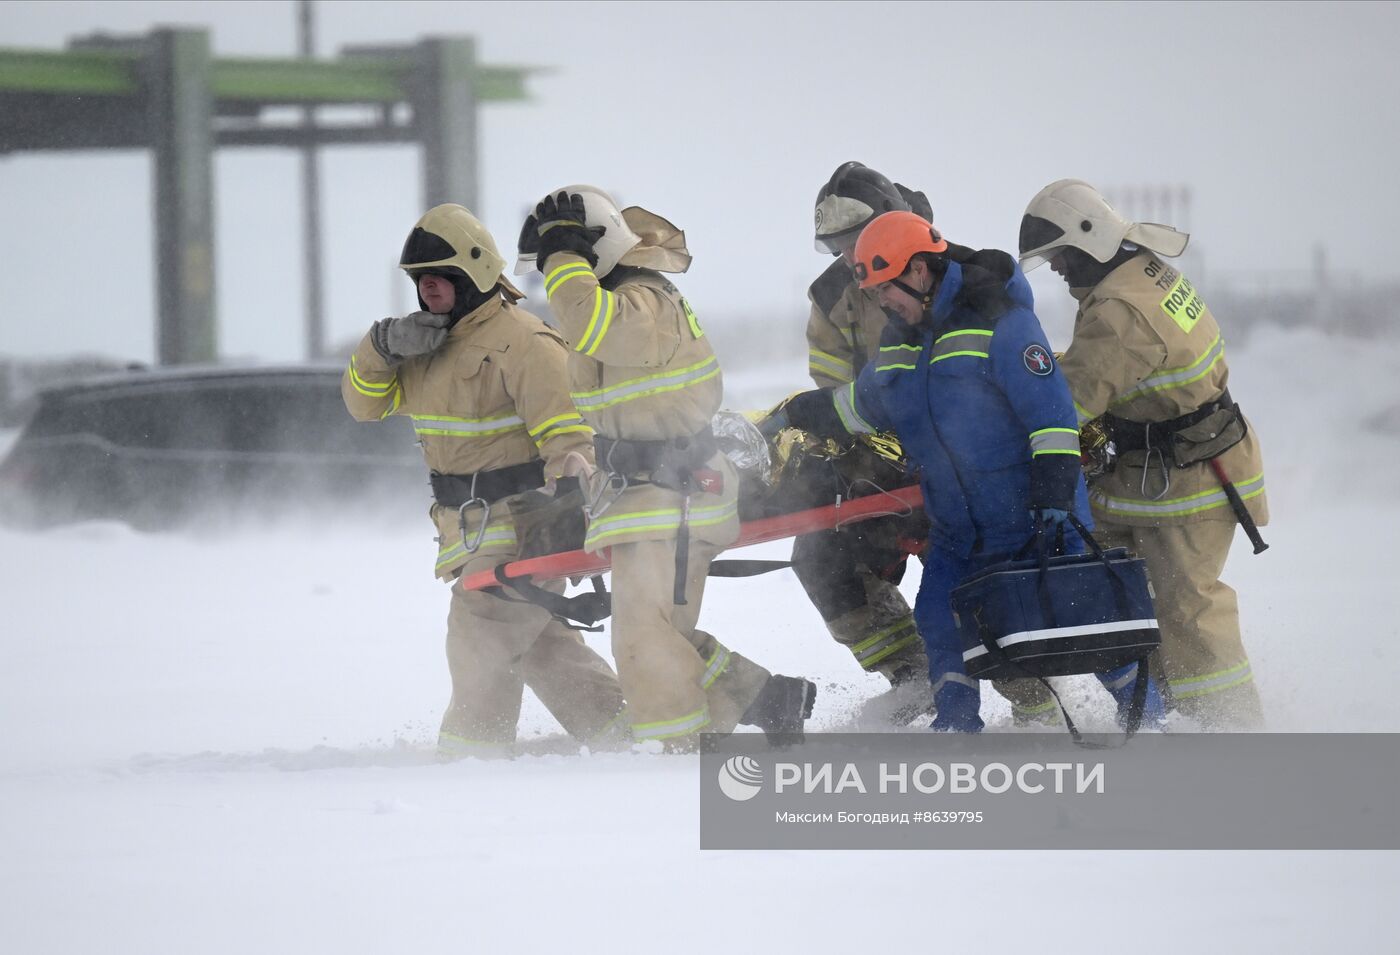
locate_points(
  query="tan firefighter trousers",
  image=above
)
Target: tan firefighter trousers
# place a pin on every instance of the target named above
(679, 681)
(1202, 656)
(497, 647)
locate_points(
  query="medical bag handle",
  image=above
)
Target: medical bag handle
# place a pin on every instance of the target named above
(1047, 609)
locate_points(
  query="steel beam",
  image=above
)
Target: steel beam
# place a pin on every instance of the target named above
(179, 101)
(444, 109)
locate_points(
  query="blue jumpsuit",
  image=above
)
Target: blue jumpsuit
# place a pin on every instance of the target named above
(980, 406)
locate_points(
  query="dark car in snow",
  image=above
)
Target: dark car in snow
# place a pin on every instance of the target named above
(164, 447)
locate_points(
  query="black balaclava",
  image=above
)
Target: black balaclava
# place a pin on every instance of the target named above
(1082, 270)
(468, 298)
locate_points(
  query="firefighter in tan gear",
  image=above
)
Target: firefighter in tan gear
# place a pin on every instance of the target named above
(851, 575)
(483, 382)
(1147, 356)
(665, 500)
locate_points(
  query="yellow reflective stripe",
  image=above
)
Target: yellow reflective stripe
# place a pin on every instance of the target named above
(370, 389)
(562, 274)
(879, 636)
(662, 519)
(560, 424)
(454, 433)
(890, 650)
(615, 730)
(1178, 377)
(1081, 413)
(592, 321)
(646, 386)
(955, 354)
(717, 664)
(690, 316)
(1036, 710)
(497, 537)
(394, 404)
(1181, 506)
(1216, 682)
(986, 332)
(449, 426)
(569, 429)
(1055, 441)
(968, 349)
(898, 348)
(569, 416)
(885, 642)
(590, 342)
(607, 321)
(845, 401)
(668, 729)
(830, 365)
(815, 369)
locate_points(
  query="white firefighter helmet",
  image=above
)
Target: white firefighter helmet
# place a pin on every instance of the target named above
(599, 210)
(1070, 212)
(449, 238)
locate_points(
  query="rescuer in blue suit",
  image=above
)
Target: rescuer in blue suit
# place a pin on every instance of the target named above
(967, 381)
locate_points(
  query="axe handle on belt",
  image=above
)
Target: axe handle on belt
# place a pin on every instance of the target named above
(1237, 505)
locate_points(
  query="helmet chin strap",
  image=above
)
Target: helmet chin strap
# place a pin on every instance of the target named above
(925, 299)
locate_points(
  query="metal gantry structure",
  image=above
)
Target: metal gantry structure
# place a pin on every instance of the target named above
(165, 91)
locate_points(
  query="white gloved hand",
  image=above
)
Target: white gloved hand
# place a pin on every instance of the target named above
(417, 334)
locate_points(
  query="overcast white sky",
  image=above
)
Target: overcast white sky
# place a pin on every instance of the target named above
(1282, 118)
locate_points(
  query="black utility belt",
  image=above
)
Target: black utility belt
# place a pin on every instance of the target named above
(1157, 435)
(454, 490)
(630, 457)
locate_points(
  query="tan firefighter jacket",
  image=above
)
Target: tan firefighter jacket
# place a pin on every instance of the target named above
(843, 332)
(641, 368)
(492, 395)
(1147, 349)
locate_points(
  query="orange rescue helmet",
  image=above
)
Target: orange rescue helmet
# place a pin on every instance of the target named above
(888, 243)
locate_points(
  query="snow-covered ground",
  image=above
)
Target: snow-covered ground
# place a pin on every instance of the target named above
(224, 744)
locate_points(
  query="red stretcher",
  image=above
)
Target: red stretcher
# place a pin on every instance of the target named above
(577, 563)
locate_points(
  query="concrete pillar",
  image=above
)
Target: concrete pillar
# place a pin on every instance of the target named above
(179, 107)
(444, 109)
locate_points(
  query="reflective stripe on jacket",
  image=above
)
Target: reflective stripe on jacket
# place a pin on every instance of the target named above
(1146, 348)
(843, 330)
(979, 405)
(492, 395)
(640, 367)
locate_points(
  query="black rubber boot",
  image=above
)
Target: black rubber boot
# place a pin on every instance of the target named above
(780, 709)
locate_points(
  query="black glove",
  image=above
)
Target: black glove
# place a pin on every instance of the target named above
(814, 412)
(562, 210)
(561, 222)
